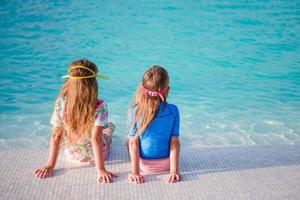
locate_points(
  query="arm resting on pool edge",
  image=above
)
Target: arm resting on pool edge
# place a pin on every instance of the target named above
(55, 142)
(134, 149)
(104, 176)
(174, 160)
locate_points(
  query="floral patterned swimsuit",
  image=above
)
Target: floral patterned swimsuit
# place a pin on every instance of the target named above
(82, 150)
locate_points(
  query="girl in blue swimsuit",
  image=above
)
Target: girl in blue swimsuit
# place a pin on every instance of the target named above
(154, 128)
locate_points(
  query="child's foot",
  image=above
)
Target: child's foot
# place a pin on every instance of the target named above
(126, 143)
(107, 133)
(110, 129)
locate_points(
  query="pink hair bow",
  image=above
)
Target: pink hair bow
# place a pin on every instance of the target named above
(155, 94)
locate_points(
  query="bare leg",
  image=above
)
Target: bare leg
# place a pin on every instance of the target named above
(127, 143)
(107, 133)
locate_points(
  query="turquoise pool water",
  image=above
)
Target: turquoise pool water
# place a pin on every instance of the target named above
(234, 65)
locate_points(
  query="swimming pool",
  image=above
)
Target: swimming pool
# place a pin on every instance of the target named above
(234, 65)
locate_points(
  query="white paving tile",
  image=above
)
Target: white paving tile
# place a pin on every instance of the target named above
(237, 172)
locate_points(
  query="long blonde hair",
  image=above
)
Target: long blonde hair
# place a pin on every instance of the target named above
(145, 106)
(81, 96)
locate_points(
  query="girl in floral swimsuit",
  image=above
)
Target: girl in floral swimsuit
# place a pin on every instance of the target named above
(80, 120)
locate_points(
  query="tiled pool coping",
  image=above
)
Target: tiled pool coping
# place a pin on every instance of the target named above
(236, 172)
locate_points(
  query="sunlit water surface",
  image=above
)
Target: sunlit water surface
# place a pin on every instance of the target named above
(234, 65)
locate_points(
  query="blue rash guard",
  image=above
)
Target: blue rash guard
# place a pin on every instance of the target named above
(155, 141)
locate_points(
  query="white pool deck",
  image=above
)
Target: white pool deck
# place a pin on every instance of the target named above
(237, 172)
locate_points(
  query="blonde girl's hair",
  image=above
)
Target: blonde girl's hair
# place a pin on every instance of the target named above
(145, 106)
(81, 96)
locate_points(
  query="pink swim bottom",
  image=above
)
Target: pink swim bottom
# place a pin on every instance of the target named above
(154, 165)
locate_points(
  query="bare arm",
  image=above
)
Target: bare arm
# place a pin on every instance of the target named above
(134, 150)
(134, 155)
(55, 142)
(97, 148)
(174, 160)
(103, 175)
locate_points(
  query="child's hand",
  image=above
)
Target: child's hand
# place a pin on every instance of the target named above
(44, 172)
(173, 177)
(105, 176)
(136, 178)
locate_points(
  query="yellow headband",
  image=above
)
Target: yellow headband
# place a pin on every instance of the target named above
(82, 77)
